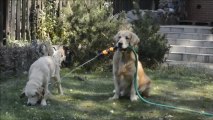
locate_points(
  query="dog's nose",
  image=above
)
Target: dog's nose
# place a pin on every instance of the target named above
(120, 45)
(29, 104)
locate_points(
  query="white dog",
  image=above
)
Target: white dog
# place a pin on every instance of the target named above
(124, 68)
(40, 73)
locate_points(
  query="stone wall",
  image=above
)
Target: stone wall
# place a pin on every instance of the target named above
(200, 10)
(19, 58)
(15, 59)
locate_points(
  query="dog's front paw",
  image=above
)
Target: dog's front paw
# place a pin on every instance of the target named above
(134, 98)
(43, 103)
(115, 97)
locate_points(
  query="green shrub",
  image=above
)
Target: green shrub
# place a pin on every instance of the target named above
(91, 30)
(87, 27)
(153, 46)
(51, 26)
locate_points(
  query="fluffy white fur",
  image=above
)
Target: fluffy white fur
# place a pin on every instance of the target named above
(40, 73)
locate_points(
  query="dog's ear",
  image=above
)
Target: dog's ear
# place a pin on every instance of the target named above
(115, 38)
(134, 39)
(40, 92)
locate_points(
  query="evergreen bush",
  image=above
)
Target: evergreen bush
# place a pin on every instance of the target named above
(153, 46)
(91, 30)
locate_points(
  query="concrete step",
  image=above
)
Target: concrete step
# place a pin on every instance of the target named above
(190, 57)
(195, 36)
(191, 49)
(186, 29)
(190, 42)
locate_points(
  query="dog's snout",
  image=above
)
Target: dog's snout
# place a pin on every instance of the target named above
(29, 104)
(120, 45)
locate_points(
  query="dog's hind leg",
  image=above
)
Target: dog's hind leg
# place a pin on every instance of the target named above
(146, 91)
(60, 91)
(58, 80)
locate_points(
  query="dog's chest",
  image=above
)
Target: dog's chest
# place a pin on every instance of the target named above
(126, 69)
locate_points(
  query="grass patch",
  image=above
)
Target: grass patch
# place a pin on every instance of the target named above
(88, 99)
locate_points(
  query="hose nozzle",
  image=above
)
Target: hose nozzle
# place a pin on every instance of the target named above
(105, 52)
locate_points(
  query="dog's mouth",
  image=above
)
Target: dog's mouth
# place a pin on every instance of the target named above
(123, 49)
(120, 48)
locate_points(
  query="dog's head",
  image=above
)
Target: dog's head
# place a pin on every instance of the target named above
(59, 54)
(124, 39)
(33, 94)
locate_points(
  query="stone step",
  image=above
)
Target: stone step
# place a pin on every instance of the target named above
(190, 42)
(190, 57)
(195, 36)
(186, 29)
(191, 49)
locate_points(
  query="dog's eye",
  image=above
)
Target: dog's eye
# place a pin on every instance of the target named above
(127, 37)
(119, 37)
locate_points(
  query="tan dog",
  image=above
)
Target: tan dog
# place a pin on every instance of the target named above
(124, 68)
(59, 54)
(40, 73)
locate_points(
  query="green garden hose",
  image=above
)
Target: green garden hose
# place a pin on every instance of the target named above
(158, 104)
